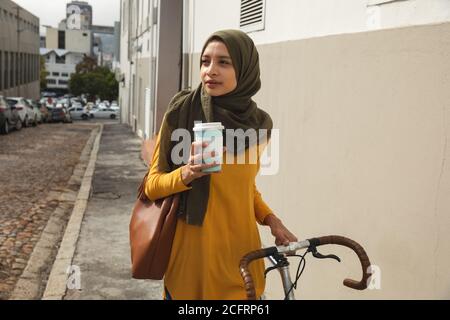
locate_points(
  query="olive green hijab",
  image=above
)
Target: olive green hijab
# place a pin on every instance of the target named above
(235, 110)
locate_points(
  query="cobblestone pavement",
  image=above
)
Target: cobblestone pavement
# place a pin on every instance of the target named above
(35, 166)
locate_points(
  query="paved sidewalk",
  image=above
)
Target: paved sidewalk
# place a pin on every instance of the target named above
(102, 253)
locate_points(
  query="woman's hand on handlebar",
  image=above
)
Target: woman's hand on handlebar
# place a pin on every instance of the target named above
(282, 235)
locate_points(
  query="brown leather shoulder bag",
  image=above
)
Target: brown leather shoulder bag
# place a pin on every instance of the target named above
(152, 229)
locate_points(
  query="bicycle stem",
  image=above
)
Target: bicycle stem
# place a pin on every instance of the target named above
(293, 246)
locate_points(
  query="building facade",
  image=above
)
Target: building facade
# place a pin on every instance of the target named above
(19, 51)
(60, 65)
(358, 91)
(104, 44)
(79, 15)
(150, 51)
(69, 39)
(64, 49)
(76, 36)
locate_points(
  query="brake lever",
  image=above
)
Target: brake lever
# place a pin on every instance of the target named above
(318, 255)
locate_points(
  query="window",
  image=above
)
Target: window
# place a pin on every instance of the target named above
(63, 82)
(37, 67)
(64, 74)
(14, 69)
(51, 81)
(1, 68)
(6, 71)
(61, 40)
(252, 17)
(55, 74)
(61, 60)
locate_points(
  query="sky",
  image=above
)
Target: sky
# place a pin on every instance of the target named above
(51, 12)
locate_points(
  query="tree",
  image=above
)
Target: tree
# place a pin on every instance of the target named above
(77, 84)
(99, 82)
(88, 64)
(43, 74)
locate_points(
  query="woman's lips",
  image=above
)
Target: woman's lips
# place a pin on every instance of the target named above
(212, 84)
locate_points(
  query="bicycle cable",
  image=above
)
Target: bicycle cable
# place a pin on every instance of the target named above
(298, 273)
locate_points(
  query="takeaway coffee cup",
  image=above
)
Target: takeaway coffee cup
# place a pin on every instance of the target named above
(210, 132)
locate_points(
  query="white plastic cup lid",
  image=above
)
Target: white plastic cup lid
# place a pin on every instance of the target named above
(208, 126)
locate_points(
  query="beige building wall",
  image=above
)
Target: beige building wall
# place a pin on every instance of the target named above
(19, 51)
(79, 41)
(364, 124)
(51, 38)
(75, 40)
(142, 82)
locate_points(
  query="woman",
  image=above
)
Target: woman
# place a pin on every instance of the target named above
(218, 211)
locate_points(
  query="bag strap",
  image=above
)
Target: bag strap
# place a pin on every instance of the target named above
(147, 150)
(141, 190)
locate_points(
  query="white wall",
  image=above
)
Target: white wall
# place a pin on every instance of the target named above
(139, 46)
(369, 111)
(72, 59)
(299, 19)
(124, 87)
(79, 41)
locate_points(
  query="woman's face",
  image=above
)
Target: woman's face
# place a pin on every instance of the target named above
(217, 71)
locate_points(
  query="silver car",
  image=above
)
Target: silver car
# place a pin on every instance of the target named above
(25, 110)
(104, 113)
(78, 112)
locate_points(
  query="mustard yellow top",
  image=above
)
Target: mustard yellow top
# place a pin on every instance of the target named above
(204, 262)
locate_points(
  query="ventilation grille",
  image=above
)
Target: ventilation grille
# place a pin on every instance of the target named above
(252, 15)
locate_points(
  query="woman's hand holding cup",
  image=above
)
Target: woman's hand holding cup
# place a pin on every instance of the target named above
(195, 166)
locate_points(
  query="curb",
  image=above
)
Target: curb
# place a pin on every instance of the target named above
(58, 279)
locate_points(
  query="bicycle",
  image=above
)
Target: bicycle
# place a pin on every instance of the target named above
(278, 257)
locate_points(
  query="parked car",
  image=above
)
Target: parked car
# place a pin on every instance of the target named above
(60, 115)
(114, 105)
(25, 113)
(90, 106)
(104, 113)
(64, 102)
(101, 106)
(78, 112)
(9, 117)
(36, 109)
(45, 112)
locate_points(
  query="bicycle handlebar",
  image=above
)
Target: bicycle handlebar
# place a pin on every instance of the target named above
(360, 252)
(310, 243)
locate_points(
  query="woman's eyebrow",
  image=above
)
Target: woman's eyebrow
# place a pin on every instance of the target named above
(220, 57)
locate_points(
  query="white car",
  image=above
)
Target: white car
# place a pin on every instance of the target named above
(103, 113)
(101, 106)
(36, 109)
(26, 112)
(78, 112)
(114, 106)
